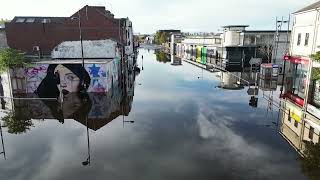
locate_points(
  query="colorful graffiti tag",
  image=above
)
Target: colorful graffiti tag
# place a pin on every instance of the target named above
(34, 75)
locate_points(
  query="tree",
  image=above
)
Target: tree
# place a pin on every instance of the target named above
(310, 163)
(315, 75)
(2, 21)
(10, 58)
(15, 125)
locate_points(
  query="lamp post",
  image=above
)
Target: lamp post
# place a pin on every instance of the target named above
(81, 44)
(3, 150)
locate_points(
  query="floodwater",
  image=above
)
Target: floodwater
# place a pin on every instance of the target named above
(175, 122)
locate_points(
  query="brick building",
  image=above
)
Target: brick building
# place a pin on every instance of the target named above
(40, 35)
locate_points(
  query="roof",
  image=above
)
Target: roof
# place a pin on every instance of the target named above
(34, 19)
(229, 26)
(310, 7)
(264, 31)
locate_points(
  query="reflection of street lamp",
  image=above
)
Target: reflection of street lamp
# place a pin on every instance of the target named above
(87, 161)
(81, 43)
(3, 150)
(142, 62)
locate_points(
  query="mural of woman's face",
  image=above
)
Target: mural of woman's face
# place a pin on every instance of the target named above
(68, 80)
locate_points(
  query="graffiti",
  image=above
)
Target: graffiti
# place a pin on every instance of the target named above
(101, 79)
(52, 79)
(34, 75)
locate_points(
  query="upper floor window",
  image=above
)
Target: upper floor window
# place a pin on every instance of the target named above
(306, 40)
(46, 20)
(20, 20)
(299, 39)
(311, 132)
(30, 20)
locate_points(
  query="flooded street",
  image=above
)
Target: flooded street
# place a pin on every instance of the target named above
(175, 122)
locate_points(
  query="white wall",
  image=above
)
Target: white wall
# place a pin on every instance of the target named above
(307, 22)
(232, 38)
(91, 49)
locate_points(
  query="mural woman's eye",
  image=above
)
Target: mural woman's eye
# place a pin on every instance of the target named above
(69, 77)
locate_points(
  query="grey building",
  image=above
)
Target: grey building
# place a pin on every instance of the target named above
(3, 37)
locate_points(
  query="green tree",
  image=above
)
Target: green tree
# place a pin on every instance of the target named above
(310, 162)
(16, 125)
(10, 58)
(316, 56)
(2, 21)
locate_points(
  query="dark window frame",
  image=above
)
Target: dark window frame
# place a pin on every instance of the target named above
(311, 132)
(306, 39)
(299, 39)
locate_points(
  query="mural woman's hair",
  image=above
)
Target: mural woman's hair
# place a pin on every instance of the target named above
(48, 87)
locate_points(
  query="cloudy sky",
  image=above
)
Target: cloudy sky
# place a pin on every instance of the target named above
(150, 15)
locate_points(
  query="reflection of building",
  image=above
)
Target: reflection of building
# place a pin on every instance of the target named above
(230, 80)
(301, 118)
(175, 61)
(94, 110)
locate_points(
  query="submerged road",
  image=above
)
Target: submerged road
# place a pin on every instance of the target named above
(182, 125)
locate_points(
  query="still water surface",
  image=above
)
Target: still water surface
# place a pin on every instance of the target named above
(185, 127)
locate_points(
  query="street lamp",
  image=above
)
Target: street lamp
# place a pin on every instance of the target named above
(81, 44)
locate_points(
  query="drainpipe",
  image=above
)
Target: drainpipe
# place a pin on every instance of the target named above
(315, 34)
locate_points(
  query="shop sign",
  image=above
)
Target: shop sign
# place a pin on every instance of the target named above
(295, 112)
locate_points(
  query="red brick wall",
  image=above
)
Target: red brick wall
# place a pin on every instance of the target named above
(95, 26)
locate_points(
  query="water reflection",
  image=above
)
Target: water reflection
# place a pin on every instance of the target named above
(163, 57)
(184, 128)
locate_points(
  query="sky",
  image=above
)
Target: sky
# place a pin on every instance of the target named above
(149, 15)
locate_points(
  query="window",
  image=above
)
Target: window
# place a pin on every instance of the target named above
(306, 40)
(299, 75)
(46, 20)
(311, 132)
(20, 20)
(289, 116)
(30, 20)
(296, 124)
(299, 39)
(252, 39)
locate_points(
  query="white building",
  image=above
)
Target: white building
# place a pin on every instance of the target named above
(305, 31)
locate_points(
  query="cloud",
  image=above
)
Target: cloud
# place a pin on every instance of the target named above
(149, 16)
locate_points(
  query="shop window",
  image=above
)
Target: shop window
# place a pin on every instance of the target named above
(299, 39)
(299, 80)
(311, 132)
(306, 40)
(296, 124)
(289, 116)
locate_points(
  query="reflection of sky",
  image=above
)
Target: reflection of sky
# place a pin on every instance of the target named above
(185, 128)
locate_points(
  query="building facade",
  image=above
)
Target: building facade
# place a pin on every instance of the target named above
(40, 35)
(301, 115)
